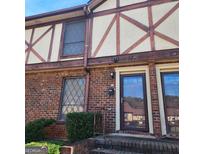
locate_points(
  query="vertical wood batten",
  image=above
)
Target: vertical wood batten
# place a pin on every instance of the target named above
(117, 3)
(151, 28)
(51, 43)
(61, 42)
(118, 33)
(30, 45)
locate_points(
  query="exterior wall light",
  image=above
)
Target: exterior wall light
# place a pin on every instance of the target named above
(112, 74)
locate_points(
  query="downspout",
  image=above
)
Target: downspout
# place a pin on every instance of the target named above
(87, 47)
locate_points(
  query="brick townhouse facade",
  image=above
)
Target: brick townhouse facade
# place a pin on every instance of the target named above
(114, 56)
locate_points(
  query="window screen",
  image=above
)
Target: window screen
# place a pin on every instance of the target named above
(73, 96)
(74, 38)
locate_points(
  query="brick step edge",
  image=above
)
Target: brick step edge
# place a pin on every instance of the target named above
(110, 151)
(138, 146)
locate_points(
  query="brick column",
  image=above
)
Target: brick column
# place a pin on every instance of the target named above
(154, 100)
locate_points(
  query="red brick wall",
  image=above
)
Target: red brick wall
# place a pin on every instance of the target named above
(56, 131)
(154, 100)
(81, 147)
(43, 92)
(66, 150)
(99, 100)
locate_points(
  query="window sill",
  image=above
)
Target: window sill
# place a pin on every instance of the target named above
(71, 56)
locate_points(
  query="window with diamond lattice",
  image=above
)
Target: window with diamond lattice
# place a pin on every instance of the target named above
(73, 96)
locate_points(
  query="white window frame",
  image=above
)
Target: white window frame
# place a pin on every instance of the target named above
(172, 67)
(133, 70)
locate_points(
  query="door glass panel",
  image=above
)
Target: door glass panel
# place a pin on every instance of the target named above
(170, 83)
(134, 103)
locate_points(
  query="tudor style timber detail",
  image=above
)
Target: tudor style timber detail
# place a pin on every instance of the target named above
(104, 36)
(61, 41)
(51, 44)
(29, 46)
(166, 15)
(151, 30)
(117, 3)
(168, 39)
(146, 37)
(135, 22)
(137, 43)
(162, 56)
(118, 34)
(32, 44)
(131, 7)
(120, 38)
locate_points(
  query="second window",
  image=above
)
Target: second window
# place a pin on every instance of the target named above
(74, 38)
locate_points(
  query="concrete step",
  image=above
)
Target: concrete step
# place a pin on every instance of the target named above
(110, 151)
(136, 145)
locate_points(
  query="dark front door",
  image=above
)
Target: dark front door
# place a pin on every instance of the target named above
(133, 102)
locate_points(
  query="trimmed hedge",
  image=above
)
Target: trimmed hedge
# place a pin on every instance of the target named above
(53, 147)
(79, 126)
(34, 129)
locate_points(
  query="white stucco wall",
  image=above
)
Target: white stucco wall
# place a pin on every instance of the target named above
(109, 4)
(129, 33)
(28, 35)
(42, 47)
(56, 42)
(169, 27)
(100, 25)
(39, 31)
(33, 59)
(129, 2)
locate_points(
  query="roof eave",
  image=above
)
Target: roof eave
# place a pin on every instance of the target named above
(63, 14)
(53, 13)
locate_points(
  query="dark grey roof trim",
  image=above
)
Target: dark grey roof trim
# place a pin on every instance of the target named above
(52, 13)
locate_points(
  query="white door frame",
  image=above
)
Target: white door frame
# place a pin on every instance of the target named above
(133, 70)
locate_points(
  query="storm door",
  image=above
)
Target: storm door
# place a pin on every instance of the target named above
(133, 108)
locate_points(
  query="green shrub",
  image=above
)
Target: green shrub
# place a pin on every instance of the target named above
(53, 147)
(34, 129)
(79, 125)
